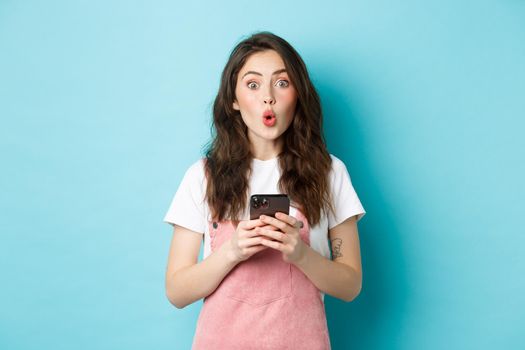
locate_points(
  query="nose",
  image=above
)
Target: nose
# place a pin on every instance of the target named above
(268, 96)
(269, 100)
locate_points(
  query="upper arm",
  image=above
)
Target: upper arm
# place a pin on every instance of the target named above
(184, 249)
(344, 242)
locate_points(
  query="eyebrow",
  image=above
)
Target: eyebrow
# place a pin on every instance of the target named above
(257, 73)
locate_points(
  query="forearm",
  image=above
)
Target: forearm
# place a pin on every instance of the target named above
(195, 282)
(330, 277)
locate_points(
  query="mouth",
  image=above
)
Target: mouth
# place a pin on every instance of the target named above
(269, 118)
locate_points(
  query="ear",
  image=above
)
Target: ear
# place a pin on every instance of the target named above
(235, 105)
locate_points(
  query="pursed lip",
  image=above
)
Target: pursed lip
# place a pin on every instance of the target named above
(267, 113)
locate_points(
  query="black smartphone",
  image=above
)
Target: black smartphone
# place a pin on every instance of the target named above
(268, 204)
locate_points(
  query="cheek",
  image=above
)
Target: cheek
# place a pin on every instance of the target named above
(289, 99)
(245, 100)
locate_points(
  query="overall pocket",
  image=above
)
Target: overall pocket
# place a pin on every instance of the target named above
(260, 280)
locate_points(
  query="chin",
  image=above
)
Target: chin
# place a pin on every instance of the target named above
(273, 135)
(267, 135)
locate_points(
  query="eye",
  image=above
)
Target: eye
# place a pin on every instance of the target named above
(252, 85)
(283, 83)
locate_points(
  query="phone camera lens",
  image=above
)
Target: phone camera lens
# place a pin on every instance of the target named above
(255, 202)
(265, 203)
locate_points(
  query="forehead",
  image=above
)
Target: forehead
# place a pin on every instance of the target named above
(265, 62)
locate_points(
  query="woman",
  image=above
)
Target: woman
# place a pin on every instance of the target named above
(263, 281)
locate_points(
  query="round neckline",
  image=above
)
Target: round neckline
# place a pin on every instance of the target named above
(267, 161)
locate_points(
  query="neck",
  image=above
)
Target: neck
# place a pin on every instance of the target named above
(266, 150)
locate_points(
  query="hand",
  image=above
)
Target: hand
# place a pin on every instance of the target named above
(285, 237)
(245, 241)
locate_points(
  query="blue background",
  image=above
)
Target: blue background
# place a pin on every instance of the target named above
(104, 105)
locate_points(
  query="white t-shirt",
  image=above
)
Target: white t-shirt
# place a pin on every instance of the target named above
(189, 209)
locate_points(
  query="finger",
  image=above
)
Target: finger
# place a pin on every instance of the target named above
(290, 220)
(270, 227)
(250, 242)
(281, 225)
(250, 224)
(277, 235)
(253, 232)
(243, 234)
(273, 244)
(256, 249)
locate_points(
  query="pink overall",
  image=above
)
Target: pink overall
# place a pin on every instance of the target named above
(263, 303)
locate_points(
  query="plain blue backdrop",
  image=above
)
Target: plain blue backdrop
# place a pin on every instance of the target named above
(104, 104)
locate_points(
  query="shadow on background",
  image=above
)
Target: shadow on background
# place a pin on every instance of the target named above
(361, 324)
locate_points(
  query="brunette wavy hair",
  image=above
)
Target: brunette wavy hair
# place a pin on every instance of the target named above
(305, 162)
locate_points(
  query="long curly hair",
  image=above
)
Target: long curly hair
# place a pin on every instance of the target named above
(304, 161)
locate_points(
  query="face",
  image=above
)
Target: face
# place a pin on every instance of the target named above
(265, 97)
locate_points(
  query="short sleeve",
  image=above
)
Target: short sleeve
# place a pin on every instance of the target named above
(187, 208)
(344, 198)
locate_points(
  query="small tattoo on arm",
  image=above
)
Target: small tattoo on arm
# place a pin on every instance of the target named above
(336, 248)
